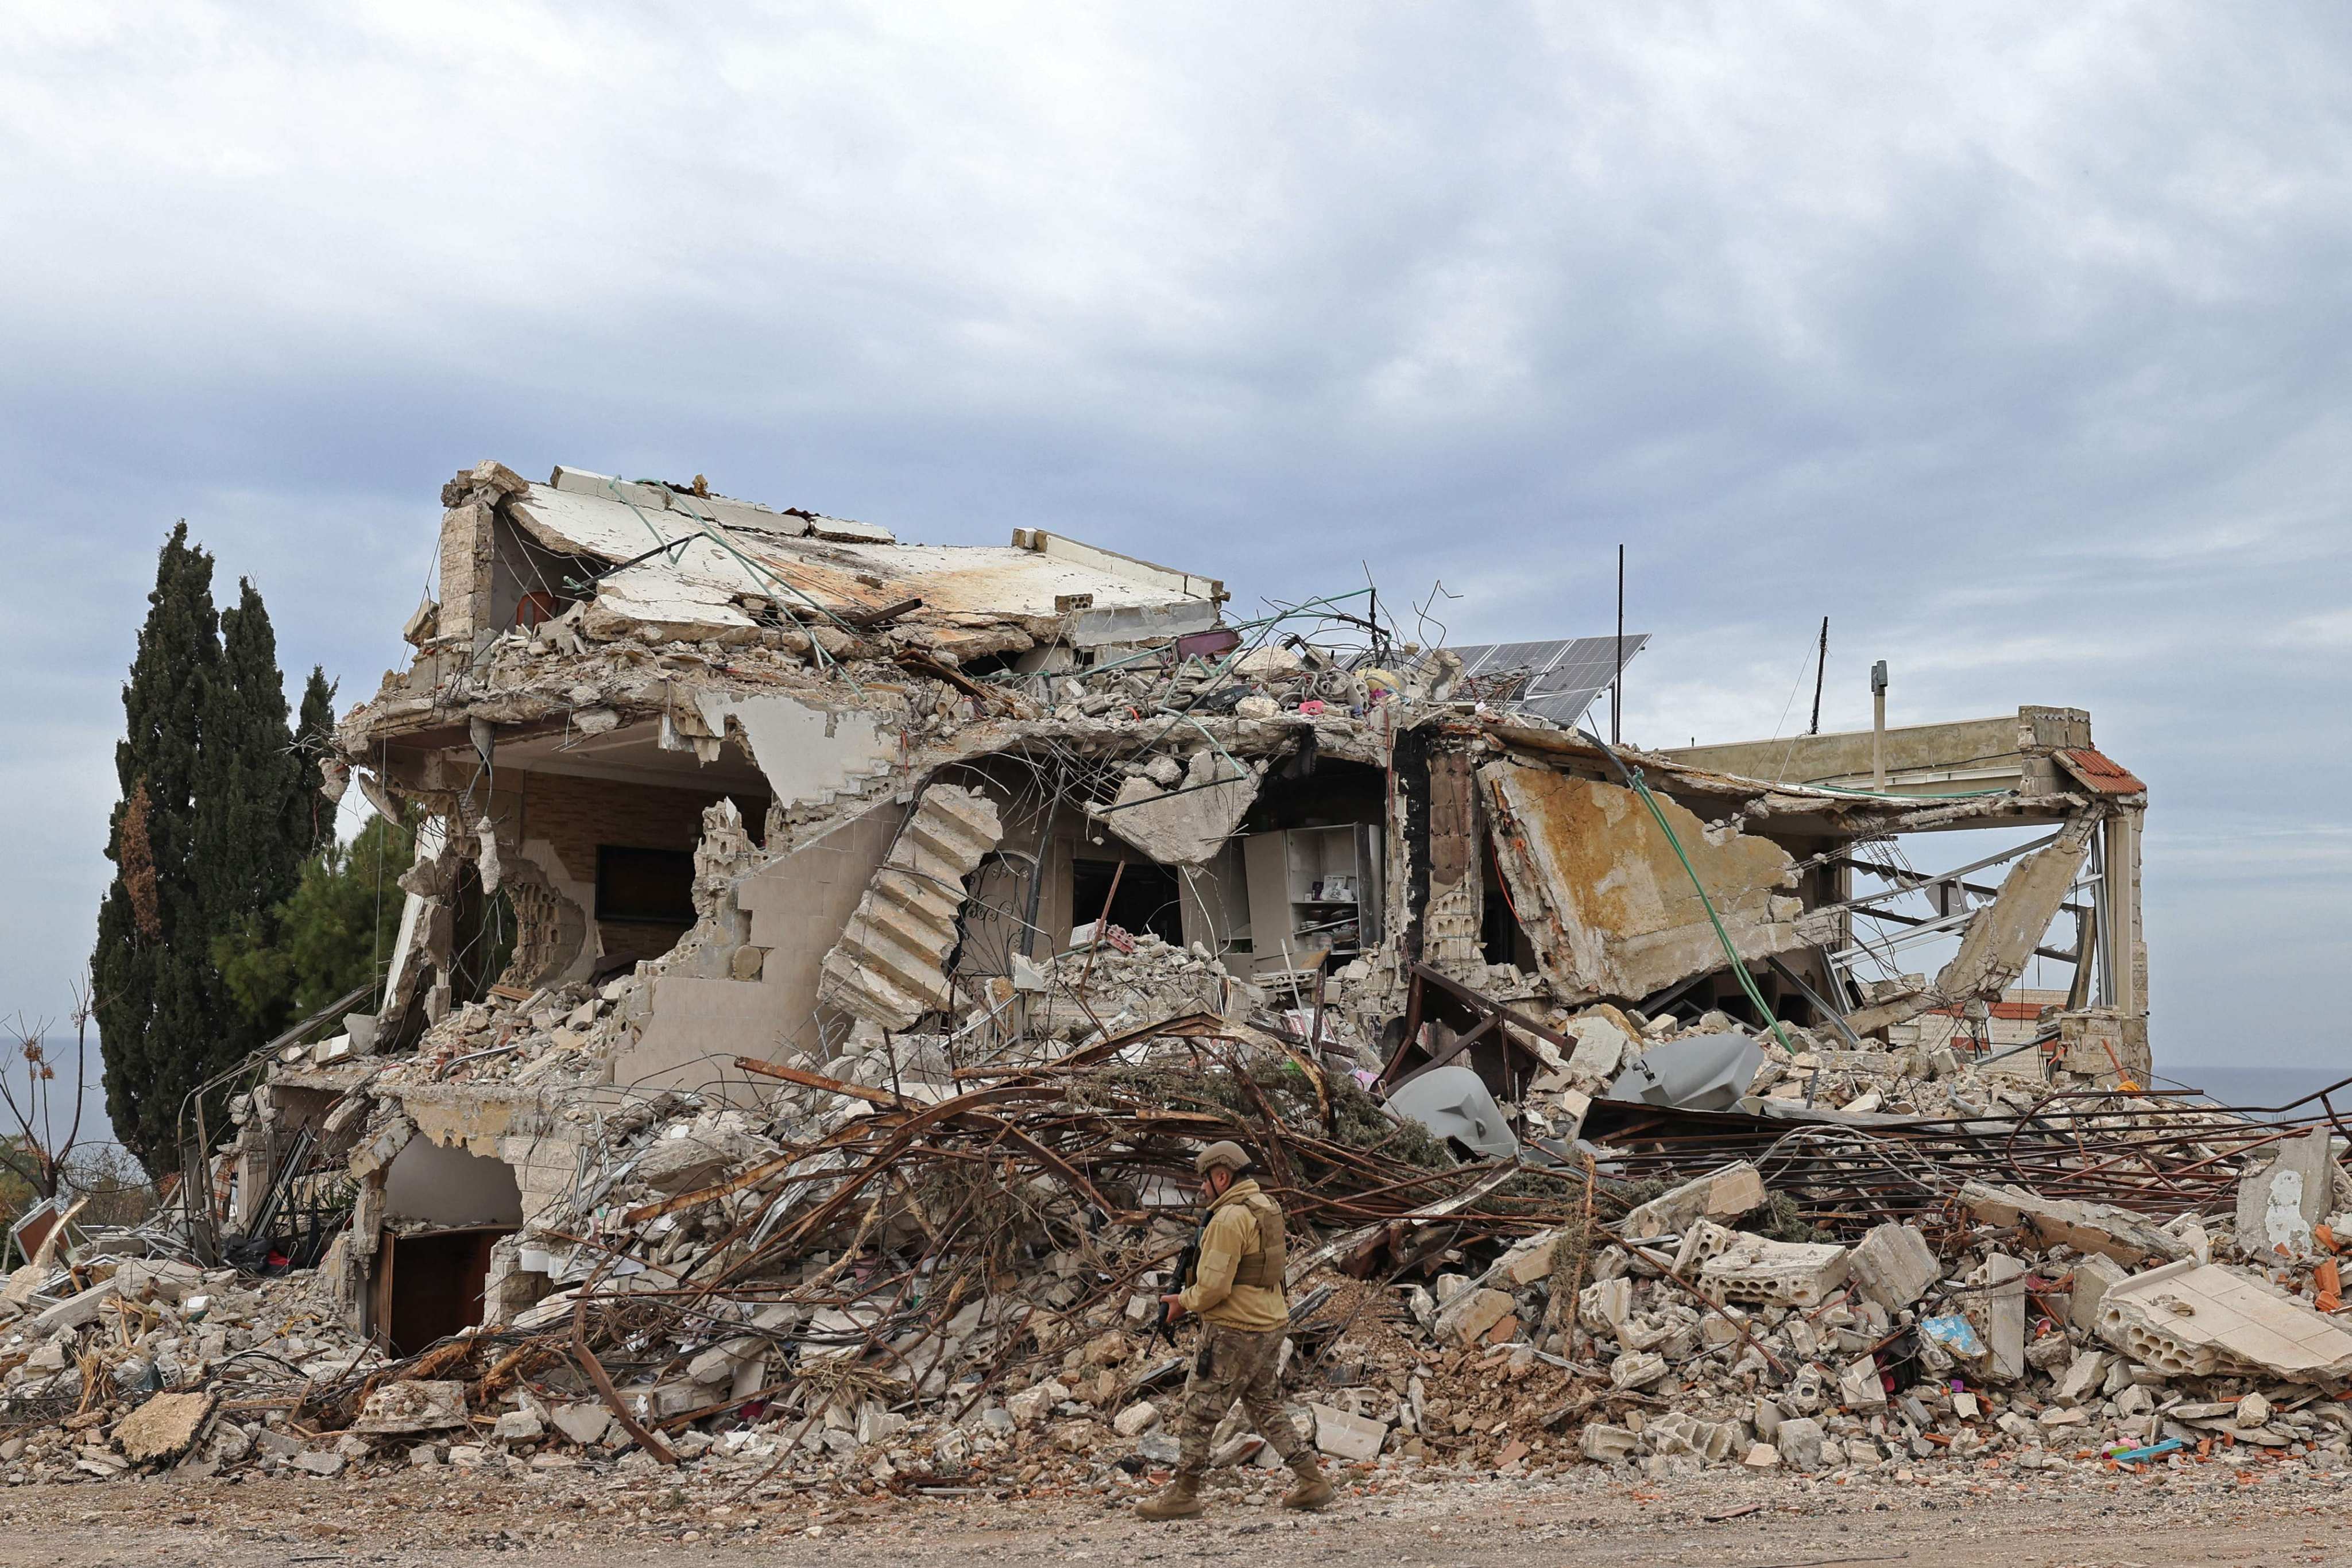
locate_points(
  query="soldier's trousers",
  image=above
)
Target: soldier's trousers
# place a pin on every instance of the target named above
(1230, 1364)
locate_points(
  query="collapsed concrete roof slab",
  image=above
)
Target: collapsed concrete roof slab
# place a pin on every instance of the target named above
(1603, 897)
(711, 554)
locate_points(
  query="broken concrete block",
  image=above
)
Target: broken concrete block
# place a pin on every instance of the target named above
(1774, 1273)
(74, 1311)
(2190, 1318)
(1034, 1404)
(2094, 1276)
(1799, 1443)
(2004, 1316)
(584, 1424)
(1894, 1265)
(416, 1406)
(157, 1279)
(1600, 1049)
(1637, 1369)
(1679, 1432)
(1470, 1314)
(2083, 1379)
(691, 1153)
(1723, 1194)
(1603, 1306)
(2085, 1227)
(163, 1429)
(321, 1461)
(2279, 1202)
(1762, 1457)
(24, 1282)
(2189, 1231)
(2254, 1410)
(1527, 1262)
(1859, 1387)
(717, 1364)
(1607, 1444)
(518, 1426)
(1703, 1240)
(1159, 1449)
(876, 1424)
(277, 1443)
(1346, 1436)
(2098, 1041)
(1136, 1419)
(1185, 820)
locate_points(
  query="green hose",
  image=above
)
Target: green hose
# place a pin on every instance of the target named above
(1738, 966)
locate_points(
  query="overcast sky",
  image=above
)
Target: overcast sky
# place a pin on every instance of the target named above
(2015, 339)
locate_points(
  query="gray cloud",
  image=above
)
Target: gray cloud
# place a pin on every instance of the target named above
(2011, 340)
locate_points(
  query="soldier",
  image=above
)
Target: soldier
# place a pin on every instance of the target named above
(1236, 1289)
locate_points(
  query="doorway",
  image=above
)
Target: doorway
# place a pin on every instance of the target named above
(1149, 897)
(430, 1285)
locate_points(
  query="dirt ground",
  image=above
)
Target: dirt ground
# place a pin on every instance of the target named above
(2206, 1514)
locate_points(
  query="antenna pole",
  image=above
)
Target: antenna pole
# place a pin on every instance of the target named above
(1617, 683)
(1821, 669)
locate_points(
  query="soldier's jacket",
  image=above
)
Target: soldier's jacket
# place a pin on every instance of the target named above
(1238, 1282)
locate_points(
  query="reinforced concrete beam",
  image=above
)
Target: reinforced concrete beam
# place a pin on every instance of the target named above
(1958, 757)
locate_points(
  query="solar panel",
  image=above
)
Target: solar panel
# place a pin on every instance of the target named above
(1555, 680)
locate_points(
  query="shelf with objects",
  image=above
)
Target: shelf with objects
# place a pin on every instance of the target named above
(1314, 896)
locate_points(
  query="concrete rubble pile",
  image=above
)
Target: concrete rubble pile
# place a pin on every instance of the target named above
(898, 1281)
(823, 953)
(127, 1363)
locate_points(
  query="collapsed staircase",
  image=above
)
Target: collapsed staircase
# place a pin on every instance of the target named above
(886, 968)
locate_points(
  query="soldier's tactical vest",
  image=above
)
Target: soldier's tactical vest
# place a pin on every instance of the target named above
(1263, 1267)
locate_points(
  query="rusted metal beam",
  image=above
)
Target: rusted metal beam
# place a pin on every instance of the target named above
(807, 1079)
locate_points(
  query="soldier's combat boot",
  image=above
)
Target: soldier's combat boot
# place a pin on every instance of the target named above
(1312, 1490)
(1179, 1498)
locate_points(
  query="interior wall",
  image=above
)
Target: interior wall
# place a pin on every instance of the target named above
(1214, 902)
(566, 817)
(522, 565)
(450, 1187)
(799, 907)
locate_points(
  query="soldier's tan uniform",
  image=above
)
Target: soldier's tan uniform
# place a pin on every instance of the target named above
(1236, 1290)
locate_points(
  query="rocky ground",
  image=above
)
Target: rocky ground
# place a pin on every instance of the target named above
(2210, 1513)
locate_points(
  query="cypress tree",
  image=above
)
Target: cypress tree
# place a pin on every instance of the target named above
(253, 827)
(252, 823)
(314, 725)
(158, 1001)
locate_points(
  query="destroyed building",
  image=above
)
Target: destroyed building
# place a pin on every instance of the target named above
(825, 956)
(705, 784)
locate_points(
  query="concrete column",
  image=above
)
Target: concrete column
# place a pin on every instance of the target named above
(467, 561)
(1456, 849)
(2121, 942)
